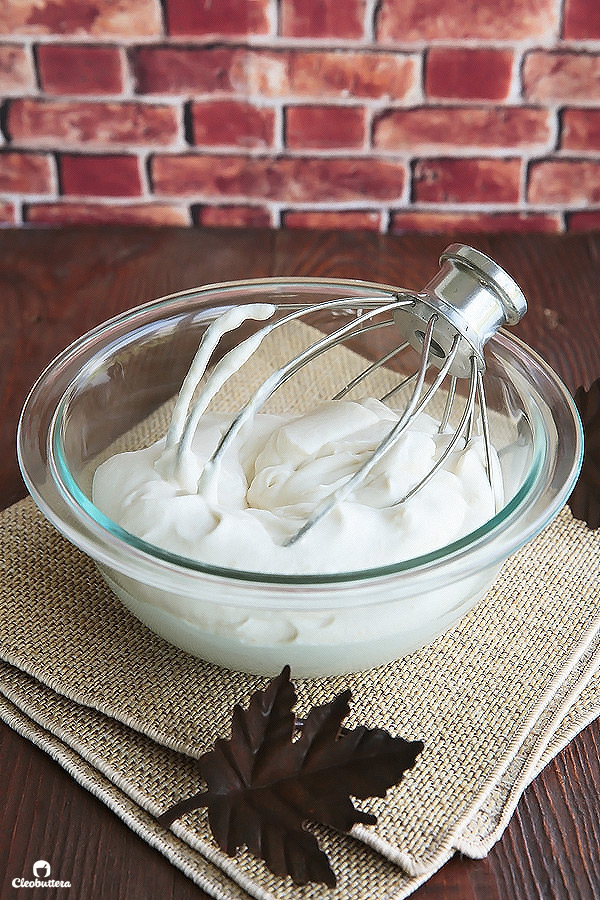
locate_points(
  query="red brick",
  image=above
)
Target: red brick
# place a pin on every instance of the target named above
(345, 219)
(584, 220)
(571, 181)
(271, 73)
(323, 18)
(16, 70)
(25, 173)
(234, 216)
(100, 176)
(83, 123)
(424, 20)
(72, 69)
(101, 214)
(232, 123)
(582, 19)
(220, 17)
(325, 127)
(280, 179)
(459, 127)
(94, 17)
(580, 129)
(184, 70)
(352, 74)
(8, 214)
(467, 181)
(464, 74)
(560, 76)
(475, 222)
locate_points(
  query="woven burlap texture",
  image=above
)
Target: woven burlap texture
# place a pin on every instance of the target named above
(492, 700)
(76, 640)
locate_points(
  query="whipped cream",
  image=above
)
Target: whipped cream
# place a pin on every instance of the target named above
(276, 473)
(273, 477)
(240, 508)
(230, 491)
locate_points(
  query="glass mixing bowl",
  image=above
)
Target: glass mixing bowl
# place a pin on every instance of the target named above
(113, 388)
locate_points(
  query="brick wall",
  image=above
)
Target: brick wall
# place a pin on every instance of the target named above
(380, 114)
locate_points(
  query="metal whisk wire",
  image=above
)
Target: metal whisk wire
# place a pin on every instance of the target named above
(448, 324)
(281, 375)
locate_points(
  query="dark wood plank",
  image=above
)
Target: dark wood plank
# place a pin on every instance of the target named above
(48, 816)
(54, 286)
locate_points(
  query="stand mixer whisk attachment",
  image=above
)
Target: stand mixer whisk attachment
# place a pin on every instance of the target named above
(448, 323)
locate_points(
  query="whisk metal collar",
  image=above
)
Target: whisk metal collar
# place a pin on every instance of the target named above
(473, 296)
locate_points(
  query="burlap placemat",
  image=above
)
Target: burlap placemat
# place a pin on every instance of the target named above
(133, 779)
(493, 700)
(126, 713)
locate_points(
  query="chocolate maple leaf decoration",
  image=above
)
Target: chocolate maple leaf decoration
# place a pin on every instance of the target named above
(273, 776)
(585, 499)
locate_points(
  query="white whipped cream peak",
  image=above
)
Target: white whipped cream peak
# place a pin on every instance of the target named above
(273, 472)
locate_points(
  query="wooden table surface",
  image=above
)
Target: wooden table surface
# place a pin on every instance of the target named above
(56, 285)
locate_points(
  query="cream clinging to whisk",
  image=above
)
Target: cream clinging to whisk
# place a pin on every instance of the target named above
(448, 323)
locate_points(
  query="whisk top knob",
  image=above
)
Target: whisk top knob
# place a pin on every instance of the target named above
(464, 261)
(472, 296)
